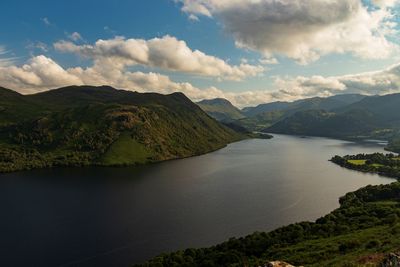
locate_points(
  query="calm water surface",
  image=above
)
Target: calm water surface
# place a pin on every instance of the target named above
(116, 217)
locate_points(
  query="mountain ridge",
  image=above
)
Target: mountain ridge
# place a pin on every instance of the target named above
(86, 125)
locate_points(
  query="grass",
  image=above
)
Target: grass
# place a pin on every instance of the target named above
(126, 151)
(360, 162)
(351, 249)
(357, 161)
(376, 165)
(327, 252)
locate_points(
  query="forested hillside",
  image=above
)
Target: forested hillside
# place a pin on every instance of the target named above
(77, 126)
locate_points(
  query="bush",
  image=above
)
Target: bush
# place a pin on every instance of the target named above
(373, 244)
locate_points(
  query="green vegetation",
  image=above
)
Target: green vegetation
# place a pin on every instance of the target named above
(350, 125)
(388, 165)
(350, 117)
(357, 161)
(221, 109)
(357, 234)
(261, 121)
(375, 117)
(126, 151)
(78, 126)
(394, 144)
(316, 103)
(265, 115)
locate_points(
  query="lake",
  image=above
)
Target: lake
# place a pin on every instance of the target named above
(120, 216)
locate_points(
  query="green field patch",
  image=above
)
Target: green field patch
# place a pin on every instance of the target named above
(376, 165)
(357, 161)
(126, 151)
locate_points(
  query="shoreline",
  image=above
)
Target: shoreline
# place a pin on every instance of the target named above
(96, 164)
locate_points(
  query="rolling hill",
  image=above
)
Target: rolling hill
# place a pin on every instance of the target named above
(371, 117)
(221, 109)
(75, 126)
(327, 104)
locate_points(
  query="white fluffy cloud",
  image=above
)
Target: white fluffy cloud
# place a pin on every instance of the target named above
(385, 3)
(166, 53)
(371, 83)
(303, 30)
(41, 73)
(75, 36)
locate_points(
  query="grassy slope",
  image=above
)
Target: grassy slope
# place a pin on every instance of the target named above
(221, 109)
(365, 224)
(126, 151)
(76, 126)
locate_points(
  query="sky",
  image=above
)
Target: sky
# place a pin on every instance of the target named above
(247, 51)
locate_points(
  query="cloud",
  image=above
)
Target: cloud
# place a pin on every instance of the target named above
(109, 30)
(75, 36)
(385, 3)
(46, 21)
(303, 30)
(371, 83)
(269, 61)
(41, 73)
(4, 59)
(167, 53)
(38, 45)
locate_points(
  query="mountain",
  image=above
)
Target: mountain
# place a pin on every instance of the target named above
(261, 121)
(327, 104)
(373, 117)
(221, 109)
(386, 108)
(266, 115)
(75, 126)
(322, 123)
(264, 108)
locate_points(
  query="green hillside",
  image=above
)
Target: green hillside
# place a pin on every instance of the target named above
(327, 104)
(77, 126)
(266, 115)
(352, 124)
(261, 121)
(372, 117)
(359, 233)
(221, 109)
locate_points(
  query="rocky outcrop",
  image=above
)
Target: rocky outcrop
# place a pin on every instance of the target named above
(392, 260)
(278, 264)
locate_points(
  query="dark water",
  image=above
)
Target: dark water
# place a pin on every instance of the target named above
(116, 217)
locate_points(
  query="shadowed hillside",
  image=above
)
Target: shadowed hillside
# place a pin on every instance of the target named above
(77, 126)
(372, 117)
(221, 109)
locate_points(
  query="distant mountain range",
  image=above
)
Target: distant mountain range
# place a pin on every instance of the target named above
(328, 104)
(350, 116)
(85, 125)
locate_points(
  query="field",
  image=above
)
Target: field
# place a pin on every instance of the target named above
(357, 161)
(126, 151)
